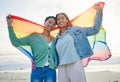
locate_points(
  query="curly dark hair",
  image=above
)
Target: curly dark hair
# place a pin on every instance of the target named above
(50, 17)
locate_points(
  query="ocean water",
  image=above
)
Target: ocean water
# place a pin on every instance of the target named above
(14, 61)
(105, 68)
(18, 61)
(112, 64)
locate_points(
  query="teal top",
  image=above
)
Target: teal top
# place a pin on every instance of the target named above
(39, 46)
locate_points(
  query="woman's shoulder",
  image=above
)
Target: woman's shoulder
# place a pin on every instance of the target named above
(35, 35)
(74, 28)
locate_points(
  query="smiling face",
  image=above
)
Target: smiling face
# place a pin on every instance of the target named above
(50, 23)
(62, 20)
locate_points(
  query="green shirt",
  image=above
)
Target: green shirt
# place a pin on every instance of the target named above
(39, 46)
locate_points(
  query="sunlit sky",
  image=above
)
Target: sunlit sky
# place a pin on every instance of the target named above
(37, 10)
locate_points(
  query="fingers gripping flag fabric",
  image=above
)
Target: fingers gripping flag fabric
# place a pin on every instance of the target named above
(23, 27)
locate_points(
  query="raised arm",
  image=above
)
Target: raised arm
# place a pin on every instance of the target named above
(97, 23)
(15, 41)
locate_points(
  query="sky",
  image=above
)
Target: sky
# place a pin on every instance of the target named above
(37, 10)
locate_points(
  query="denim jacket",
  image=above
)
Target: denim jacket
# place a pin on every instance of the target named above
(80, 34)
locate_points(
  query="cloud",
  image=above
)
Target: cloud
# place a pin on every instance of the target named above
(37, 10)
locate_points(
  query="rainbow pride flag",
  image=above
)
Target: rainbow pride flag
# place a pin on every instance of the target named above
(23, 27)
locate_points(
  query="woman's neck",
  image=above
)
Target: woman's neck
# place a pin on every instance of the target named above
(47, 36)
(46, 33)
(62, 31)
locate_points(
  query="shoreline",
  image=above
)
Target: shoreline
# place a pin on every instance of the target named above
(103, 76)
(91, 76)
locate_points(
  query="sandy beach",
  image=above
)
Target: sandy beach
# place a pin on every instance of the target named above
(15, 76)
(24, 76)
(18, 70)
(103, 76)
